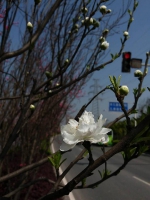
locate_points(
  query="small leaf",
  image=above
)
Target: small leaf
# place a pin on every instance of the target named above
(134, 112)
(55, 159)
(83, 182)
(62, 161)
(111, 80)
(148, 88)
(130, 12)
(100, 173)
(85, 154)
(118, 81)
(143, 90)
(142, 139)
(143, 149)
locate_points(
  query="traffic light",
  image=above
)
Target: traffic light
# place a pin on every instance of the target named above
(126, 59)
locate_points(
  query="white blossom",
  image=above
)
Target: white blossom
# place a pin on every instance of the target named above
(84, 130)
(104, 45)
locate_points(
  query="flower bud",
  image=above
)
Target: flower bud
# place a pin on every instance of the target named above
(84, 10)
(138, 73)
(29, 26)
(76, 26)
(101, 39)
(123, 90)
(105, 32)
(103, 9)
(108, 11)
(88, 21)
(104, 45)
(96, 23)
(126, 33)
(32, 107)
(66, 62)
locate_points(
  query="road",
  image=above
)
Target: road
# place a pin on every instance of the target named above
(133, 183)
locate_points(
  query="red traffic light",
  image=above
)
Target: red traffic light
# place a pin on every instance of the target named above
(126, 59)
(127, 55)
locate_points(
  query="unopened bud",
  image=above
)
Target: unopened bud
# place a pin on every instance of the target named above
(126, 33)
(138, 73)
(84, 10)
(104, 45)
(108, 11)
(103, 9)
(29, 26)
(32, 107)
(124, 90)
(101, 39)
(66, 61)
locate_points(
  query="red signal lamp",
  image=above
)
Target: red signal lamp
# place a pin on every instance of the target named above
(126, 60)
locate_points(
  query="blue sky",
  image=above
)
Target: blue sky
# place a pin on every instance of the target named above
(138, 44)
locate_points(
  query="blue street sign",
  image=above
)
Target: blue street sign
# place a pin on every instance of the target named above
(116, 107)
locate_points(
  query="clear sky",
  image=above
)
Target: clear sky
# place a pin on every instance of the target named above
(138, 44)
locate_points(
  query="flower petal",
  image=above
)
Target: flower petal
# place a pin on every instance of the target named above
(105, 130)
(99, 138)
(87, 118)
(67, 128)
(73, 123)
(66, 147)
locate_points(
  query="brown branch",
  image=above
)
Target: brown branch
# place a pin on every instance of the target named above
(35, 36)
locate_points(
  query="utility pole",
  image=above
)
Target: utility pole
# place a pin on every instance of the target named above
(95, 102)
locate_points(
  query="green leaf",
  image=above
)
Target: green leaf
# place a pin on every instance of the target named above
(143, 149)
(112, 56)
(100, 173)
(123, 154)
(143, 90)
(134, 112)
(130, 12)
(55, 159)
(118, 81)
(85, 154)
(135, 91)
(104, 173)
(83, 182)
(111, 80)
(141, 139)
(62, 161)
